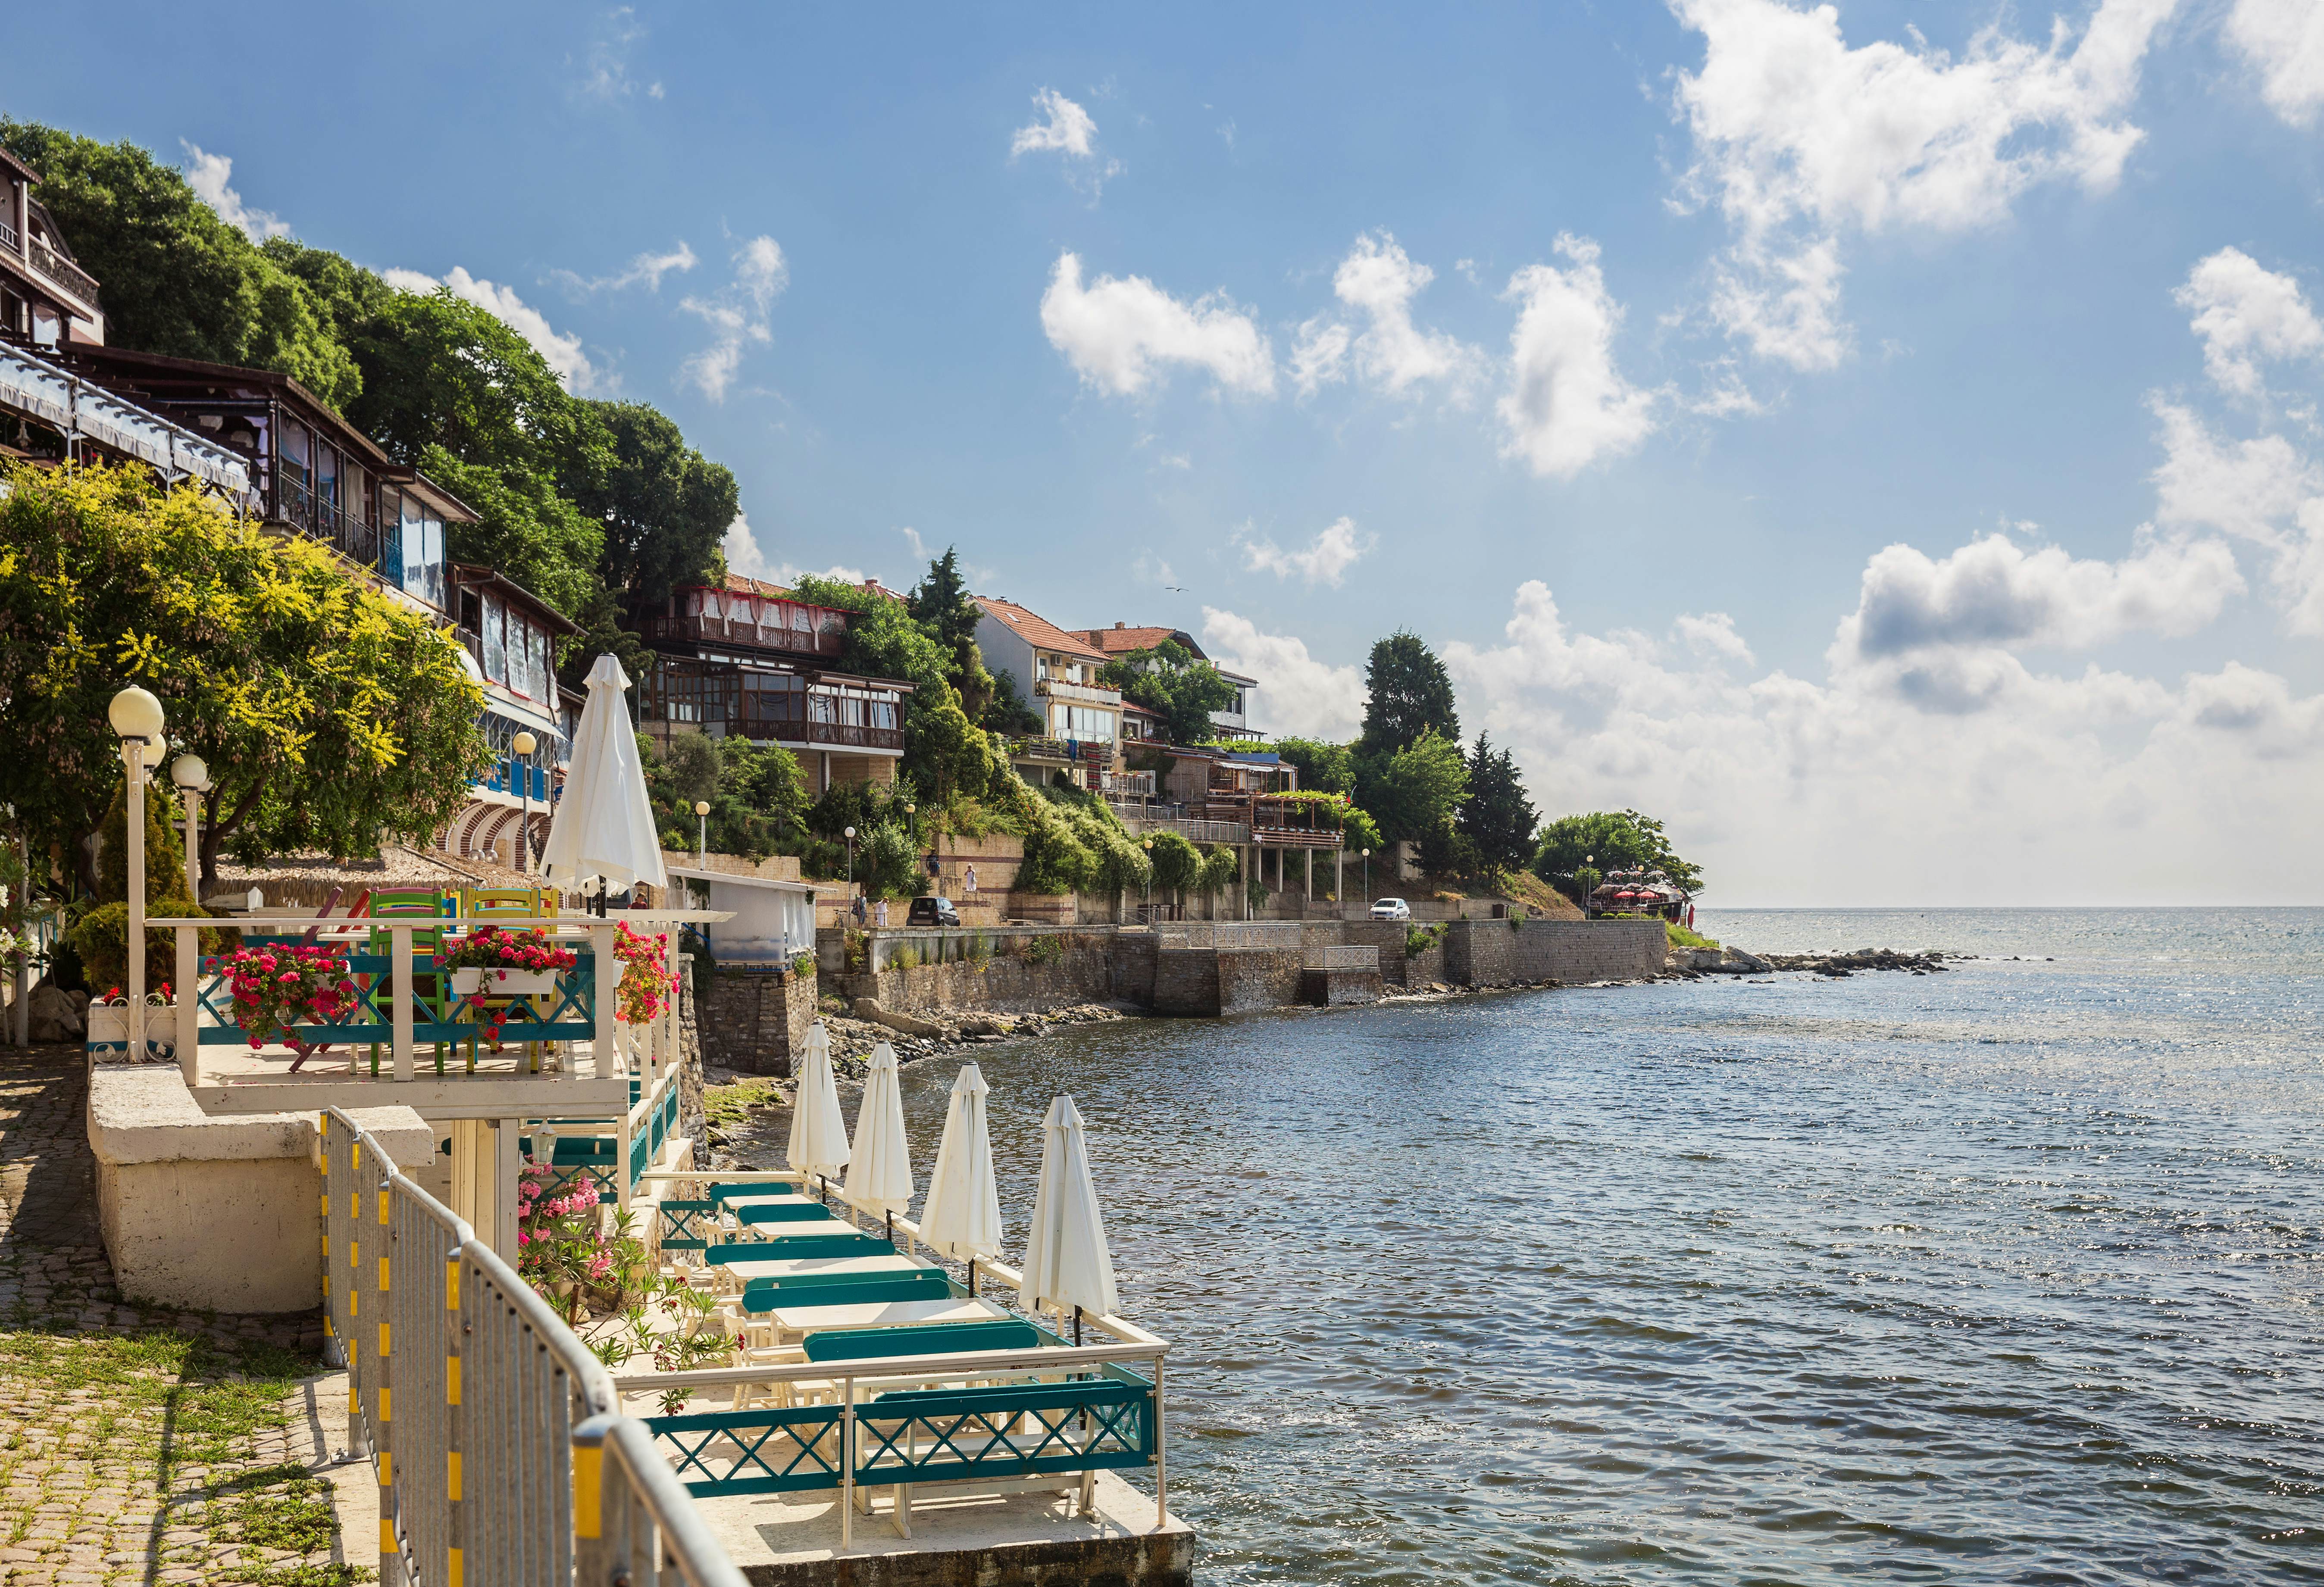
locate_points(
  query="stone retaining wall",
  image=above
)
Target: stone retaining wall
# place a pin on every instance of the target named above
(1397, 969)
(756, 1021)
(1087, 969)
(1495, 953)
(1251, 979)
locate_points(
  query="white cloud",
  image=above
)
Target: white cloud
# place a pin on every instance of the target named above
(742, 551)
(1567, 405)
(1119, 332)
(210, 175)
(1380, 280)
(737, 315)
(1336, 548)
(2262, 490)
(1798, 137)
(2247, 313)
(1068, 131)
(2284, 40)
(647, 269)
(1993, 594)
(605, 76)
(1068, 128)
(1712, 635)
(1297, 694)
(560, 350)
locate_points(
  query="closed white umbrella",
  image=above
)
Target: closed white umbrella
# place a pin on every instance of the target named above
(603, 824)
(818, 1143)
(1067, 1261)
(879, 1174)
(962, 1216)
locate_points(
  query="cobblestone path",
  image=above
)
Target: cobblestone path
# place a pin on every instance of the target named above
(138, 1445)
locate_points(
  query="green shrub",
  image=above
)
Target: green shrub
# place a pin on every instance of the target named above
(1419, 940)
(1681, 938)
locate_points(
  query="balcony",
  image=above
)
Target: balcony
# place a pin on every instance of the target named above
(715, 631)
(311, 513)
(1064, 752)
(69, 279)
(8, 238)
(1058, 688)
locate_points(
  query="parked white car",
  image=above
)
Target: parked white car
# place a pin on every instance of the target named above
(1391, 909)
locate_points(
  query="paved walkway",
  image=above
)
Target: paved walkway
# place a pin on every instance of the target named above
(140, 1445)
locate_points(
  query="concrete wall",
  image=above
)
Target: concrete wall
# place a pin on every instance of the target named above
(1396, 968)
(218, 1213)
(1185, 981)
(1495, 953)
(756, 1021)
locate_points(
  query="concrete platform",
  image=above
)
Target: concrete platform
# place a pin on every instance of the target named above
(959, 1540)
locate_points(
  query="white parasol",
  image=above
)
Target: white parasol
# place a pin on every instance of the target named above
(818, 1143)
(603, 824)
(879, 1173)
(962, 1216)
(1067, 1262)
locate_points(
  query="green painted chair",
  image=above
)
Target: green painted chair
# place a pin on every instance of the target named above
(431, 989)
(514, 903)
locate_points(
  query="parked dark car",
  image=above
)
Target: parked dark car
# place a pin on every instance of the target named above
(930, 911)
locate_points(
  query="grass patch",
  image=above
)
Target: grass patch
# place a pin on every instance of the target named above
(726, 1106)
(162, 1433)
(1681, 938)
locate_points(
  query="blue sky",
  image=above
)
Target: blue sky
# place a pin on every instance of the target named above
(1881, 444)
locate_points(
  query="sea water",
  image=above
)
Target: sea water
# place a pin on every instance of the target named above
(2009, 1274)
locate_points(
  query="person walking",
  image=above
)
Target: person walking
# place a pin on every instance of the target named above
(859, 912)
(880, 914)
(968, 881)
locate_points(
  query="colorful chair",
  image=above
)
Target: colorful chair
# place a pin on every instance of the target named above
(511, 903)
(430, 988)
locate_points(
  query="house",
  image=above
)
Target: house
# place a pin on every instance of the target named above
(45, 297)
(312, 474)
(1053, 670)
(1121, 640)
(749, 659)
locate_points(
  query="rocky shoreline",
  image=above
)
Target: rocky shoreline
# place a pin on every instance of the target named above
(1693, 964)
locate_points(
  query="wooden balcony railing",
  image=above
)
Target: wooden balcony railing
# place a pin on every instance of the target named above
(797, 641)
(352, 536)
(76, 281)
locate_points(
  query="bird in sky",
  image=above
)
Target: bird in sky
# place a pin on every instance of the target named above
(1176, 588)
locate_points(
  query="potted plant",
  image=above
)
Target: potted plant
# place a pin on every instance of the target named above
(107, 1020)
(504, 964)
(279, 986)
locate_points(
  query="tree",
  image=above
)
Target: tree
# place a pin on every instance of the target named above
(1416, 790)
(1409, 694)
(1496, 816)
(1575, 845)
(662, 506)
(1177, 865)
(946, 610)
(1169, 681)
(1326, 768)
(326, 711)
(883, 641)
(175, 277)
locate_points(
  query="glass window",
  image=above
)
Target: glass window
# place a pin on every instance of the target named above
(292, 448)
(326, 474)
(536, 658)
(802, 620)
(495, 645)
(884, 712)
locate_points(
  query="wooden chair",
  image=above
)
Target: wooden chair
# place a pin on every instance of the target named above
(511, 903)
(430, 988)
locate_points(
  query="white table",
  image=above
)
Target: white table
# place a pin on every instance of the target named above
(889, 1313)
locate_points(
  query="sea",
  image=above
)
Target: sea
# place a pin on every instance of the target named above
(2010, 1274)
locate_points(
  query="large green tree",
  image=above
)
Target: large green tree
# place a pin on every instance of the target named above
(1576, 851)
(1415, 791)
(1171, 682)
(1326, 768)
(174, 277)
(662, 506)
(1409, 694)
(326, 711)
(1496, 816)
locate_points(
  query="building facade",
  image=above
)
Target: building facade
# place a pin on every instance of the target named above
(1055, 671)
(1121, 640)
(749, 659)
(45, 297)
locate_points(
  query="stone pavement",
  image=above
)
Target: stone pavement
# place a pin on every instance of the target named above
(137, 1443)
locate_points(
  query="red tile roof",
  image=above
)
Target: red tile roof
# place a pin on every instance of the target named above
(1121, 638)
(1038, 631)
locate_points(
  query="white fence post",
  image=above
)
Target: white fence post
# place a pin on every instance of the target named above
(187, 987)
(400, 968)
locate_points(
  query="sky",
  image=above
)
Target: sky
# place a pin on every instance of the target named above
(1880, 442)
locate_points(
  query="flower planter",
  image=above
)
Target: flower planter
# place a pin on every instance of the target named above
(503, 982)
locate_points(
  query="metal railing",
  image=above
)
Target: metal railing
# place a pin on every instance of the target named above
(307, 509)
(488, 1421)
(1343, 956)
(807, 642)
(8, 238)
(63, 272)
(36, 389)
(1192, 830)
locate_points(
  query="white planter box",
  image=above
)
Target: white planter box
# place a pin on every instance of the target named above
(503, 982)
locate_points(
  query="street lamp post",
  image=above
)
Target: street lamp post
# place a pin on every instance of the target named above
(1149, 881)
(192, 777)
(849, 833)
(1368, 875)
(702, 830)
(524, 744)
(137, 718)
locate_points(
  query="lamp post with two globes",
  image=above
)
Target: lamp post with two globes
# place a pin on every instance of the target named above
(137, 718)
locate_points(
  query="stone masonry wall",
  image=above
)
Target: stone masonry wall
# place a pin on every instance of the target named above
(1493, 953)
(1395, 969)
(757, 1020)
(1250, 979)
(1185, 981)
(1084, 972)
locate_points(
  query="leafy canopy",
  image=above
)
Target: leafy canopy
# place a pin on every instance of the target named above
(325, 710)
(1168, 680)
(1327, 767)
(1497, 817)
(1409, 694)
(1604, 841)
(1415, 791)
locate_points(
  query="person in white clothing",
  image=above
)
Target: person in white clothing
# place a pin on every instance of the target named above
(880, 913)
(968, 881)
